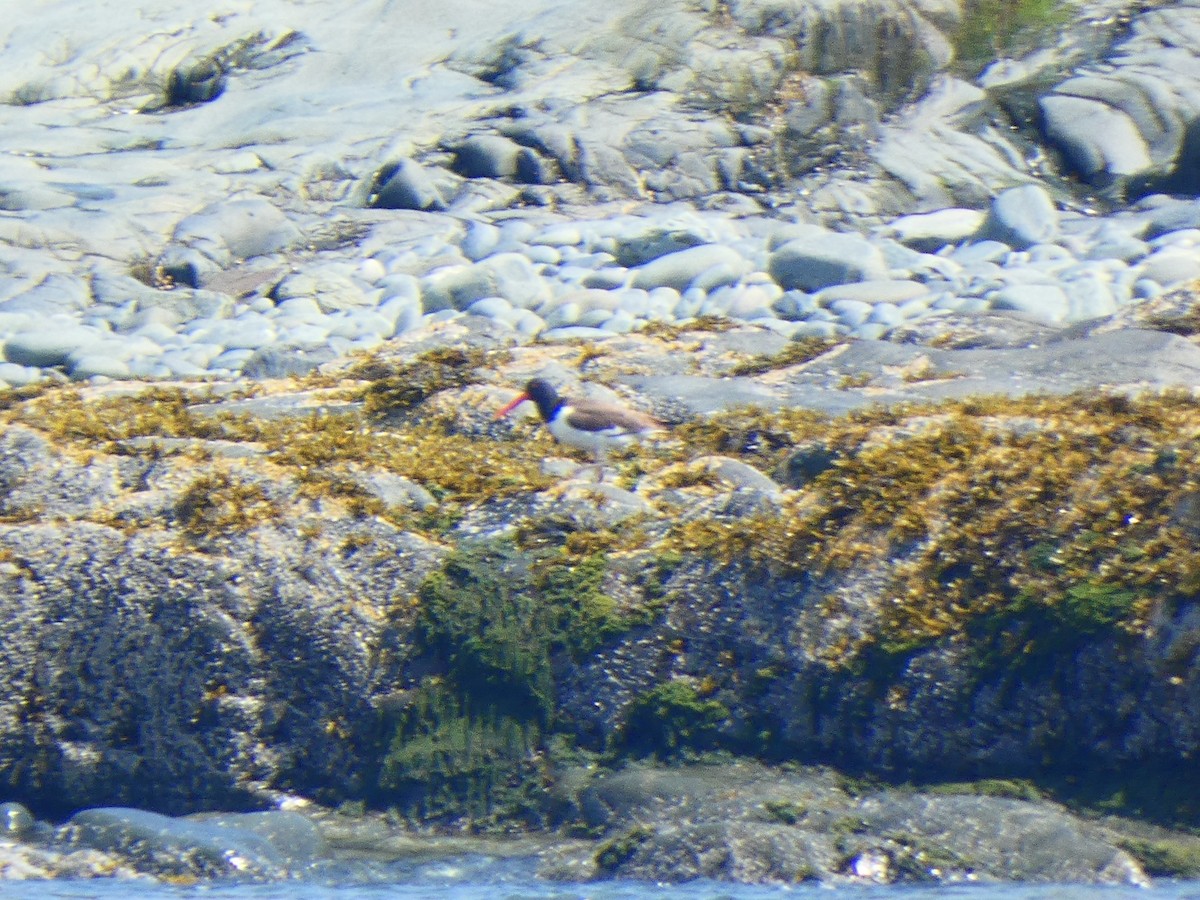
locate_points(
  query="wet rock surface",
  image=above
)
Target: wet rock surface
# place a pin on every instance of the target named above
(731, 821)
(921, 321)
(218, 600)
(743, 823)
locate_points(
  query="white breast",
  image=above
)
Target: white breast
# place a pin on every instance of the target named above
(595, 442)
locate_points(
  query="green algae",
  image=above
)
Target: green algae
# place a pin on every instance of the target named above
(1010, 788)
(494, 624)
(671, 719)
(990, 29)
(453, 758)
(1164, 857)
(497, 617)
(786, 812)
(1150, 791)
(481, 620)
(620, 849)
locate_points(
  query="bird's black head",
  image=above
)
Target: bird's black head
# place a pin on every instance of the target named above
(542, 393)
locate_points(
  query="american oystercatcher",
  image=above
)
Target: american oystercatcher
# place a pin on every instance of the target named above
(584, 424)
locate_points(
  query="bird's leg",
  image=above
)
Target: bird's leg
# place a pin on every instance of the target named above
(601, 462)
(599, 459)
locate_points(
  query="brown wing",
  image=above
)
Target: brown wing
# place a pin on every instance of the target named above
(598, 417)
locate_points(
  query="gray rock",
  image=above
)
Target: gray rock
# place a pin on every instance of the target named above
(525, 322)
(851, 312)
(909, 34)
(575, 333)
(606, 171)
(404, 185)
(1117, 246)
(233, 230)
(887, 291)
(1171, 266)
(293, 836)
(738, 474)
(934, 230)
(683, 267)
(185, 305)
(330, 286)
(1145, 288)
(1100, 141)
(397, 491)
(83, 365)
(16, 822)
(1126, 123)
(818, 328)
(986, 251)
(1045, 302)
(17, 376)
(480, 240)
(886, 314)
(1173, 215)
(1089, 296)
(487, 156)
(1183, 237)
(1021, 217)
(795, 305)
(15, 197)
(508, 275)
(701, 396)
(273, 362)
(195, 81)
(1006, 838)
(620, 322)
(607, 278)
(744, 823)
(176, 847)
(595, 317)
(53, 294)
(644, 246)
(556, 141)
(50, 347)
(190, 635)
(868, 331)
(744, 301)
(533, 168)
(591, 504)
(118, 290)
(812, 264)
(492, 307)
(719, 275)
(246, 331)
(34, 475)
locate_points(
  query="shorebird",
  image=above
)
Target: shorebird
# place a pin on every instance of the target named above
(584, 424)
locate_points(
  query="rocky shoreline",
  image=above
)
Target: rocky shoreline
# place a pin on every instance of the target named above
(924, 335)
(170, 210)
(720, 820)
(328, 614)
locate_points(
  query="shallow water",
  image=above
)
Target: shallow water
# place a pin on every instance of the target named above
(488, 878)
(625, 890)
